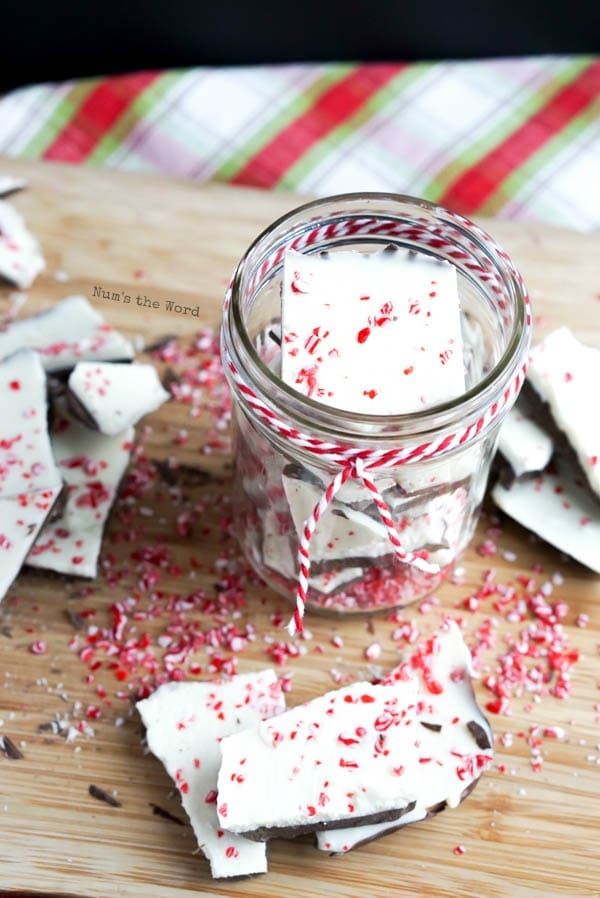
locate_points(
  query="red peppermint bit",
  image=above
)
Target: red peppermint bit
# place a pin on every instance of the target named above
(371, 394)
(459, 849)
(211, 797)
(231, 852)
(344, 763)
(38, 647)
(363, 335)
(15, 385)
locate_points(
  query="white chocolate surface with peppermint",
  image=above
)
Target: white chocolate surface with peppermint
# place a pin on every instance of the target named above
(376, 333)
(451, 748)
(21, 258)
(558, 506)
(344, 756)
(92, 466)
(185, 723)
(524, 444)
(116, 395)
(566, 374)
(26, 459)
(21, 518)
(70, 331)
(30, 481)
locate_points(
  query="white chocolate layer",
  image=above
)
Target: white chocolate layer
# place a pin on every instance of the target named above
(117, 395)
(21, 258)
(185, 723)
(92, 466)
(70, 331)
(523, 443)
(377, 333)
(558, 507)
(566, 373)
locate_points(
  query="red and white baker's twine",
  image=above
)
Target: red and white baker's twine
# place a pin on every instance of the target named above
(356, 463)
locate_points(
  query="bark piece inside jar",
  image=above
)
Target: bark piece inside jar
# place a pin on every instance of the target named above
(377, 333)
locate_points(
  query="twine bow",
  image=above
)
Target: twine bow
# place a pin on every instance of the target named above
(355, 468)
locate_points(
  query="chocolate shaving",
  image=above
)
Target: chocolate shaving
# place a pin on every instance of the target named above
(101, 795)
(170, 379)
(160, 812)
(479, 734)
(159, 343)
(10, 750)
(275, 337)
(185, 475)
(50, 727)
(75, 619)
(434, 727)
(296, 472)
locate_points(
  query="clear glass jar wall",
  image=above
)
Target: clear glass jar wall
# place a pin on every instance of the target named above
(434, 502)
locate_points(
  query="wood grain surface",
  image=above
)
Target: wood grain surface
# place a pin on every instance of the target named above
(525, 834)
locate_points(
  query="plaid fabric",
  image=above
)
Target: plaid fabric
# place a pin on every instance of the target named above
(518, 139)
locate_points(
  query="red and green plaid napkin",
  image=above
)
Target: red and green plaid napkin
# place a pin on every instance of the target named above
(518, 139)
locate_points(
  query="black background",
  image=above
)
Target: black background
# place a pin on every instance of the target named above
(56, 39)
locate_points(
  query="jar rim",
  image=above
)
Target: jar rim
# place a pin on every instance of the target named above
(351, 426)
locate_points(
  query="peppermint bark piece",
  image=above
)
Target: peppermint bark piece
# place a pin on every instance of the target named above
(377, 333)
(92, 466)
(344, 759)
(557, 505)
(26, 458)
(112, 396)
(30, 481)
(69, 332)
(21, 518)
(9, 184)
(21, 258)
(185, 723)
(455, 736)
(564, 373)
(524, 444)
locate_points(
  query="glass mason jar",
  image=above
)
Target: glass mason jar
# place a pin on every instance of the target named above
(427, 471)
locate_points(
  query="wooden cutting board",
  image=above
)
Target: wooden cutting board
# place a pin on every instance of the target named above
(524, 833)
